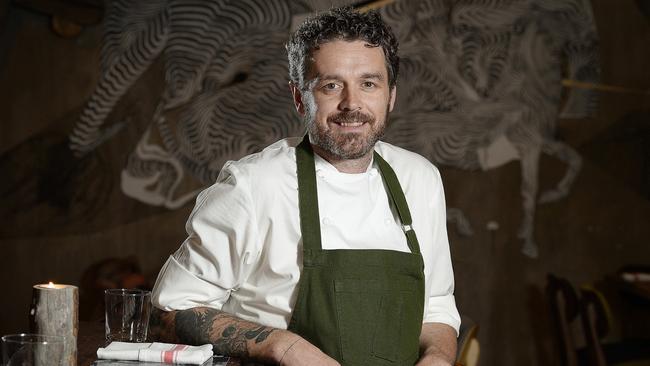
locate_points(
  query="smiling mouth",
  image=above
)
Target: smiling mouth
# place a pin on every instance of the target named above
(350, 120)
(350, 124)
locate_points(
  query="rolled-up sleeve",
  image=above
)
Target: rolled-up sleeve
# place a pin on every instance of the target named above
(440, 304)
(219, 252)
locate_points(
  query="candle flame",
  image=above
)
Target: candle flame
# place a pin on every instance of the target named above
(50, 285)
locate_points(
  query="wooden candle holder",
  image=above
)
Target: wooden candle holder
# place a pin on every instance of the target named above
(55, 311)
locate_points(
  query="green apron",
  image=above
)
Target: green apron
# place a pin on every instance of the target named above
(362, 306)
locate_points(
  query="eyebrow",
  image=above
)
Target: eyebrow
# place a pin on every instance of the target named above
(373, 75)
(368, 75)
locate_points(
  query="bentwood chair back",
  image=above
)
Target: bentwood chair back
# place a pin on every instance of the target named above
(597, 321)
(564, 308)
(468, 350)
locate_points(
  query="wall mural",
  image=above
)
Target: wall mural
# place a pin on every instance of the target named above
(480, 85)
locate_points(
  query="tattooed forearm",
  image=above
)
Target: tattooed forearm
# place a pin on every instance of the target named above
(161, 326)
(232, 343)
(195, 326)
(230, 335)
(259, 334)
(234, 340)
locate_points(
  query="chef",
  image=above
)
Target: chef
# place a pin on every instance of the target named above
(330, 249)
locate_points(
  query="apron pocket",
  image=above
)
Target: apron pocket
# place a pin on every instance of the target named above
(388, 329)
(397, 334)
(356, 310)
(371, 319)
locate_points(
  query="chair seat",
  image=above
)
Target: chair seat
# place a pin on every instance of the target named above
(627, 352)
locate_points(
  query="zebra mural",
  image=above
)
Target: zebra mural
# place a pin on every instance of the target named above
(497, 93)
(225, 88)
(483, 86)
(480, 86)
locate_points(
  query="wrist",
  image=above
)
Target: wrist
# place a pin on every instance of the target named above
(282, 341)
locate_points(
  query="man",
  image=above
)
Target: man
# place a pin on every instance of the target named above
(306, 253)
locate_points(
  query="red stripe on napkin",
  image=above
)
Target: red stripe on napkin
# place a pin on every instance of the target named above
(170, 356)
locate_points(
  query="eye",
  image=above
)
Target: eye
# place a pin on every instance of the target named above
(368, 84)
(330, 86)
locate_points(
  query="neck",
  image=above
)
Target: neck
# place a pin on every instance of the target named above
(350, 166)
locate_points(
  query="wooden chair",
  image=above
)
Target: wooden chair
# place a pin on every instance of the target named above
(597, 320)
(564, 308)
(468, 351)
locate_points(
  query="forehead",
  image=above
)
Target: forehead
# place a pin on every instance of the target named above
(347, 59)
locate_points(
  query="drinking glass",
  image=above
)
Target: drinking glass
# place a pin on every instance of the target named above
(32, 350)
(127, 315)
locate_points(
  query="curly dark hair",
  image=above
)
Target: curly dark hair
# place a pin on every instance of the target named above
(346, 24)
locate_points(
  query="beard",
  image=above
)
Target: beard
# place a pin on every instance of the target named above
(346, 145)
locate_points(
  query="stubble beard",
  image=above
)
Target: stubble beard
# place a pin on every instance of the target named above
(347, 145)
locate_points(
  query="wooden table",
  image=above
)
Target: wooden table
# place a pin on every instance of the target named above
(641, 289)
(90, 337)
(635, 308)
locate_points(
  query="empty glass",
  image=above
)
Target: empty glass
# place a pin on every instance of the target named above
(32, 350)
(127, 315)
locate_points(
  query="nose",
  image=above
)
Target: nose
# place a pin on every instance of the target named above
(350, 100)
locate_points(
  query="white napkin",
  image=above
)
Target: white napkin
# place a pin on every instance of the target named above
(156, 352)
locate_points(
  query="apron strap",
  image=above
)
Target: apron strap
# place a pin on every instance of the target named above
(308, 199)
(399, 201)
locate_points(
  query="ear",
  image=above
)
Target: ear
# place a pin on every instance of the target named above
(297, 98)
(393, 96)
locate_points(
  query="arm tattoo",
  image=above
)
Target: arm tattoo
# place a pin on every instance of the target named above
(195, 327)
(161, 326)
(229, 335)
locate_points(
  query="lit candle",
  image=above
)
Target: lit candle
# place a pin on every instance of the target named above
(52, 285)
(55, 311)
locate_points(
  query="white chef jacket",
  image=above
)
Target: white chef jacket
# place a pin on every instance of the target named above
(243, 254)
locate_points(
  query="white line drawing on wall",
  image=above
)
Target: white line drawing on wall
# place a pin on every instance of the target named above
(480, 85)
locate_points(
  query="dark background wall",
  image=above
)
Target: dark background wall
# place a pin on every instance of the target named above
(57, 221)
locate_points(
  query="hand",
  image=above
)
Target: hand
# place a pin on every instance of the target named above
(437, 345)
(303, 353)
